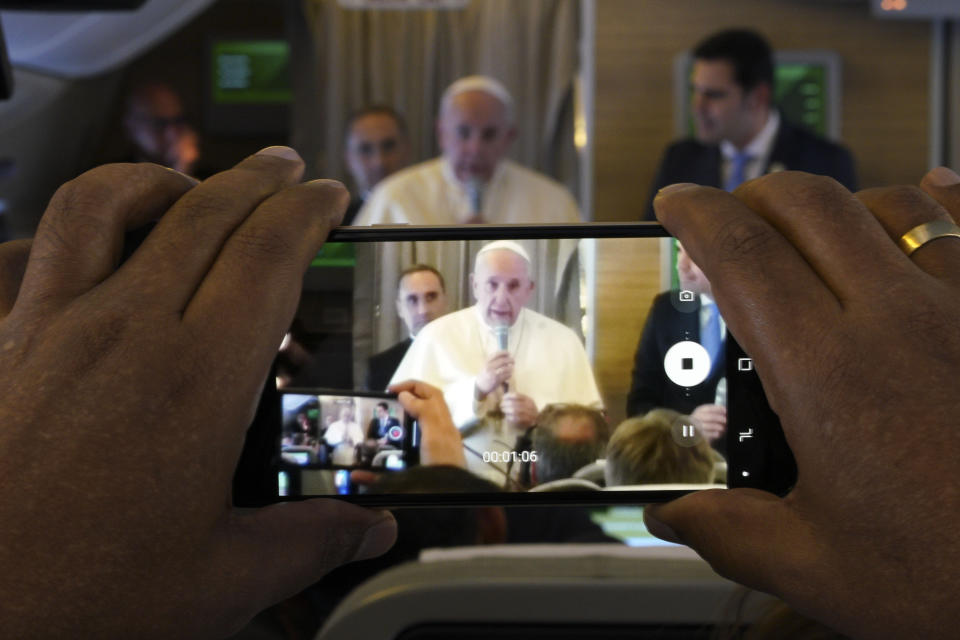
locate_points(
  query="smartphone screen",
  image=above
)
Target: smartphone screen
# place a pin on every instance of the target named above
(608, 317)
(326, 434)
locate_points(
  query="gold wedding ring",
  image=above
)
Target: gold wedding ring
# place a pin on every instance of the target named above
(926, 232)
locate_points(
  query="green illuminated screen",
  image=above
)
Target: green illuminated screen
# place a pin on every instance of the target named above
(251, 72)
(800, 93)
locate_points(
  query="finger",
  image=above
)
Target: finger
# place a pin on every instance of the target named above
(943, 185)
(259, 273)
(712, 411)
(179, 252)
(710, 418)
(900, 209)
(758, 278)
(836, 235)
(709, 425)
(416, 387)
(749, 536)
(13, 263)
(713, 432)
(277, 551)
(80, 237)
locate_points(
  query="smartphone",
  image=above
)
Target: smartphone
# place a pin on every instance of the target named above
(573, 338)
(325, 434)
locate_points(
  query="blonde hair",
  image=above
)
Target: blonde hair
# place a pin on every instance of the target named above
(643, 451)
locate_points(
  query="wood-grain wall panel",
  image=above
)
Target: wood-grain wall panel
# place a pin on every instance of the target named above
(628, 273)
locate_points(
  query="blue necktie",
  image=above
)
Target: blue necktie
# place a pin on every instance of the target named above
(737, 165)
(710, 336)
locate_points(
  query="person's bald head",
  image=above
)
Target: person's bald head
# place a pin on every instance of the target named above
(501, 282)
(567, 437)
(475, 127)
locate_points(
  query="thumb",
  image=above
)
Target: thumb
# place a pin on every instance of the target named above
(748, 536)
(277, 551)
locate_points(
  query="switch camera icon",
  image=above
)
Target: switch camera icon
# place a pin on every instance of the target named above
(686, 295)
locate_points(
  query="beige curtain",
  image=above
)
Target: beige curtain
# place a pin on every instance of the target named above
(346, 59)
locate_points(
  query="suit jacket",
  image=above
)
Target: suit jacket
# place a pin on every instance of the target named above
(649, 386)
(794, 149)
(375, 433)
(381, 366)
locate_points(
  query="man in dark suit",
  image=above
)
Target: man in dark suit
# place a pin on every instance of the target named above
(421, 297)
(379, 427)
(375, 146)
(739, 135)
(689, 315)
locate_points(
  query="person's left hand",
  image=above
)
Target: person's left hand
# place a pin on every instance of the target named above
(127, 393)
(519, 409)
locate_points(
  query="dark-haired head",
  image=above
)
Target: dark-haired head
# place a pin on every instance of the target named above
(375, 145)
(746, 50)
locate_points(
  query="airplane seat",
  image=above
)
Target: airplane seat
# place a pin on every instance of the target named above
(593, 472)
(559, 592)
(567, 484)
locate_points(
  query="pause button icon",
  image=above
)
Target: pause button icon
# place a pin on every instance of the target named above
(685, 431)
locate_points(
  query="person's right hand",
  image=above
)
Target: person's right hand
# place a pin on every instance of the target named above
(712, 419)
(125, 397)
(440, 442)
(497, 370)
(858, 349)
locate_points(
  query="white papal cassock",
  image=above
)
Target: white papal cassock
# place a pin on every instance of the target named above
(429, 193)
(551, 366)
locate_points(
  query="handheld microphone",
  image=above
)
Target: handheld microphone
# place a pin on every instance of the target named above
(475, 195)
(502, 333)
